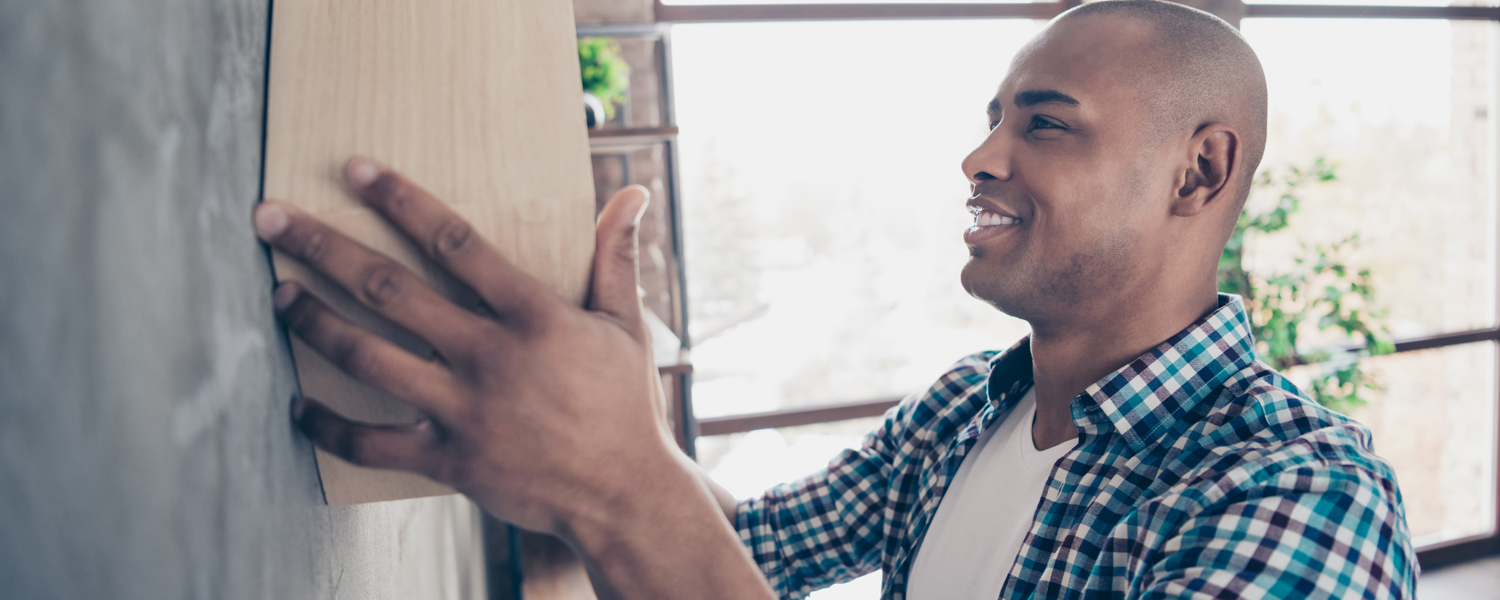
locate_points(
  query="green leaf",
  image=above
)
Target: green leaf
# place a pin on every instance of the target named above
(605, 73)
(1282, 304)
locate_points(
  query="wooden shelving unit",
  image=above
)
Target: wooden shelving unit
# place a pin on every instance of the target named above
(524, 565)
(615, 141)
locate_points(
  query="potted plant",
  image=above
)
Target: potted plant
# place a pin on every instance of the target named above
(1321, 292)
(606, 77)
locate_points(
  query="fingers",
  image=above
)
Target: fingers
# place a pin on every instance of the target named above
(364, 355)
(616, 259)
(414, 447)
(376, 280)
(446, 237)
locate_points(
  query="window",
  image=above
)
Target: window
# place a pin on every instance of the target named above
(822, 204)
(1408, 124)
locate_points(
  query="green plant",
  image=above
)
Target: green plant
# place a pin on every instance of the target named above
(605, 74)
(1321, 292)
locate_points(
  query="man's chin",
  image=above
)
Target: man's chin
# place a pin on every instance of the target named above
(986, 283)
(1001, 288)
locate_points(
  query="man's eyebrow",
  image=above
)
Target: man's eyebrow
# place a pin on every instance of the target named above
(994, 107)
(1035, 97)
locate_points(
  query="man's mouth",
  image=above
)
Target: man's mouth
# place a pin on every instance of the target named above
(985, 218)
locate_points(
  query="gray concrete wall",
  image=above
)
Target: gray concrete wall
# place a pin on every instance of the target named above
(145, 447)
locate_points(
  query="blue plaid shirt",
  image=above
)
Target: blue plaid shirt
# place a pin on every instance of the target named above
(1199, 472)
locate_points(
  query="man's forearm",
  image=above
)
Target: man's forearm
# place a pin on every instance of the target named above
(678, 542)
(726, 500)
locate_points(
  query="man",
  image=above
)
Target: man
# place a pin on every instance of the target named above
(1131, 446)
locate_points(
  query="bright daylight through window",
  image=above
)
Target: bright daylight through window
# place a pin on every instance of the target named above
(823, 206)
(1408, 126)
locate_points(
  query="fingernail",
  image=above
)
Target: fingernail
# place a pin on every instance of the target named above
(645, 202)
(284, 295)
(270, 220)
(642, 212)
(362, 172)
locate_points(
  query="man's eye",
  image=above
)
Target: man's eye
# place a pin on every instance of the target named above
(994, 124)
(1042, 123)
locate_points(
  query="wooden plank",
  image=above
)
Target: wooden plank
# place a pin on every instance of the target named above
(475, 99)
(621, 141)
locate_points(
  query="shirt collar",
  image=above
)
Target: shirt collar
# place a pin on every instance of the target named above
(1143, 399)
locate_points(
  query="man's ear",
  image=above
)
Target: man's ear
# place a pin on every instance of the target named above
(1211, 165)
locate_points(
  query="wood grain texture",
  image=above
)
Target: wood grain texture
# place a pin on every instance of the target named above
(478, 101)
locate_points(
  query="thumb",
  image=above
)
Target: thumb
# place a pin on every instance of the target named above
(616, 259)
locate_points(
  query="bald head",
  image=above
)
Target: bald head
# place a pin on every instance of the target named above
(1124, 141)
(1195, 69)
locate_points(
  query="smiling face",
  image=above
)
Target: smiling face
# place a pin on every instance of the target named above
(1071, 189)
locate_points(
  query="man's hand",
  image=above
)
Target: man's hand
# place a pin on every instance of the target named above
(547, 415)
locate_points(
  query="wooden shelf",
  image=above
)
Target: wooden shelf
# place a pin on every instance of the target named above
(682, 366)
(616, 141)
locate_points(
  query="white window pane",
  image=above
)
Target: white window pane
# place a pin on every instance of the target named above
(1435, 422)
(1404, 108)
(748, 464)
(823, 205)
(864, 588)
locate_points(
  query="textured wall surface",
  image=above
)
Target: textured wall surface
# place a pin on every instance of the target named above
(145, 447)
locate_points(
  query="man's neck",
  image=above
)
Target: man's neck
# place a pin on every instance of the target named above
(1066, 360)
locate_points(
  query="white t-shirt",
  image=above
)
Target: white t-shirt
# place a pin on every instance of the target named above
(985, 513)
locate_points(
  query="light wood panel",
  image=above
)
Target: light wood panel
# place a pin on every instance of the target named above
(478, 100)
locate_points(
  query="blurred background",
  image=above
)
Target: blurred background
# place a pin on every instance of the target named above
(819, 204)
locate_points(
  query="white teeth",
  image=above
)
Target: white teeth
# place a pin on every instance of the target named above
(986, 218)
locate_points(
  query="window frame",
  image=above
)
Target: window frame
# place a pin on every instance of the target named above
(1429, 556)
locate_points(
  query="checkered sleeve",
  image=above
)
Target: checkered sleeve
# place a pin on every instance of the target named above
(1320, 530)
(822, 529)
(841, 522)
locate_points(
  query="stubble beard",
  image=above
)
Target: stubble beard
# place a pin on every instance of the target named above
(1029, 291)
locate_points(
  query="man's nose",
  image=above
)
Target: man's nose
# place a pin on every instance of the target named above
(992, 159)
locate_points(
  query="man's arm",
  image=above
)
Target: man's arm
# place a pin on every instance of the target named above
(727, 504)
(1326, 531)
(544, 413)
